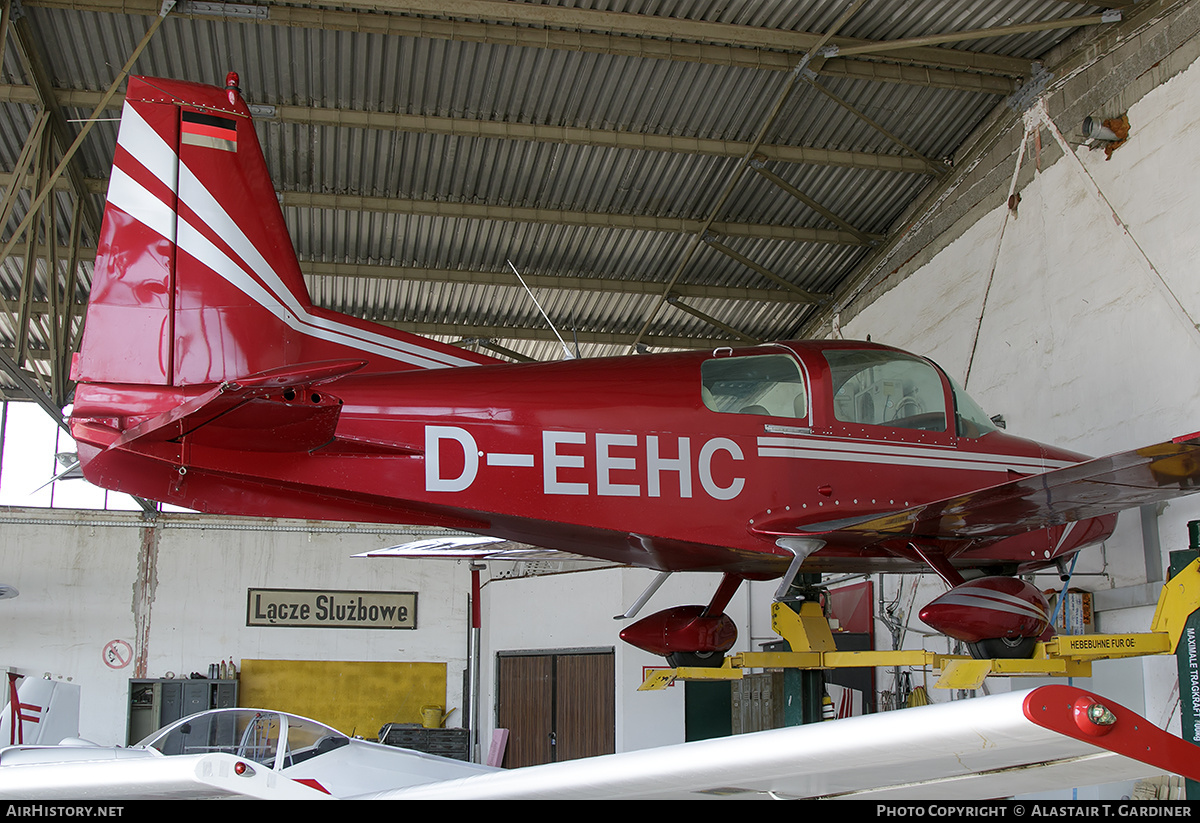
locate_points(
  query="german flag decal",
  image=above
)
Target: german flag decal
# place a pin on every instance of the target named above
(210, 131)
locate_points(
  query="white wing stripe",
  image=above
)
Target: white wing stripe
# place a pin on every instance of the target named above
(899, 460)
(820, 449)
(948, 452)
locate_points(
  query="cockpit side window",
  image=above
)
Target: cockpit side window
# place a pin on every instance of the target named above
(769, 384)
(885, 388)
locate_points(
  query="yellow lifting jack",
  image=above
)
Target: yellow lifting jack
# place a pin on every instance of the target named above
(811, 640)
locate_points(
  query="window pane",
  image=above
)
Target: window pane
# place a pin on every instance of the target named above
(881, 388)
(762, 384)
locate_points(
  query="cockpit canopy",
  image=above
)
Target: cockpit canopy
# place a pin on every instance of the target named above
(868, 387)
(272, 739)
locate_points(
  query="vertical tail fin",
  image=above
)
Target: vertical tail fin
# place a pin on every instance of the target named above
(38, 712)
(196, 280)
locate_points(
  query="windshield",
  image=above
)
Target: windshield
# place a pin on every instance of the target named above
(274, 739)
(970, 419)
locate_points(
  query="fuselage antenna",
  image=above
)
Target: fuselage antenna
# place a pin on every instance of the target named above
(566, 350)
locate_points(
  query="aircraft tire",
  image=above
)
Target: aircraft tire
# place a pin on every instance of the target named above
(1003, 648)
(703, 660)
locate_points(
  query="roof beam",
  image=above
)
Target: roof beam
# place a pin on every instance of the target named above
(602, 138)
(543, 281)
(978, 34)
(460, 330)
(494, 333)
(34, 66)
(709, 225)
(803, 295)
(522, 214)
(761, 169)
(618, 33)
(644, 26)
(419, 274)
(674, 301)
(563, 217)
(931, 166)
(493, 129)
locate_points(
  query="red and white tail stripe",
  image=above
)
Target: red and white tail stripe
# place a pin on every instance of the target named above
(195, 252)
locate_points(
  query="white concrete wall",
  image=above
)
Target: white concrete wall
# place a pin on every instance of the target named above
(574, 611)
(1080, 344)
(78, 583)
(77, 590)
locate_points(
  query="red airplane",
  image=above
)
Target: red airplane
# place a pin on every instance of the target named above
(207, 379)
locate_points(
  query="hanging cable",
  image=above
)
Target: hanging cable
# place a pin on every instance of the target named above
(1030, 125)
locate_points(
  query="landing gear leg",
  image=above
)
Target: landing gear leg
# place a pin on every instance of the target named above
(715, 608)
(690, 636)
(807, 685)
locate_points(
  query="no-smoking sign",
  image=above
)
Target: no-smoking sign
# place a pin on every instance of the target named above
(117, 654)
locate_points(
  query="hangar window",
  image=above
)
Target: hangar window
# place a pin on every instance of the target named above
(885, 388)
(768, 384)
(34, 451)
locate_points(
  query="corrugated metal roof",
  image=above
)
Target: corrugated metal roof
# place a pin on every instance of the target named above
(480, 67)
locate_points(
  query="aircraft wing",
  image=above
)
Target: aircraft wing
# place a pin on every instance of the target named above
(1093, 488)
(476, 548)
(124, 774)
(998, 746)
(986, 747)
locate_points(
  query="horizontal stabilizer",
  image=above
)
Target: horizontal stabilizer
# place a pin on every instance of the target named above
(277, 410)
(1093, 488)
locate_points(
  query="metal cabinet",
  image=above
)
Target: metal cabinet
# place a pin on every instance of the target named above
(155, 703)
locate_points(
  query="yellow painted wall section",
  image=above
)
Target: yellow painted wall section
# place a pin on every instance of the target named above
(356, 698)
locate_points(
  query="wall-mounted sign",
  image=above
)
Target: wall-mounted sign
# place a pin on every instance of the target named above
(326, 609)
(117, 654)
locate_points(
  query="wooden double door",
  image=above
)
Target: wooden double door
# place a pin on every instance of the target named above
(556, 705)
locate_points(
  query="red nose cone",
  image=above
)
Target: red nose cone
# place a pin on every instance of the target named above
(682, 629)
(989, 607)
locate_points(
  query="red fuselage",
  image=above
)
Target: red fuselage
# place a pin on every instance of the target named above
(208, 379)
(620, 458)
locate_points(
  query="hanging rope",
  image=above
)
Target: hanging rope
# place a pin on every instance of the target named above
(1011, 203)
(1035, 119)
(1149, 269)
